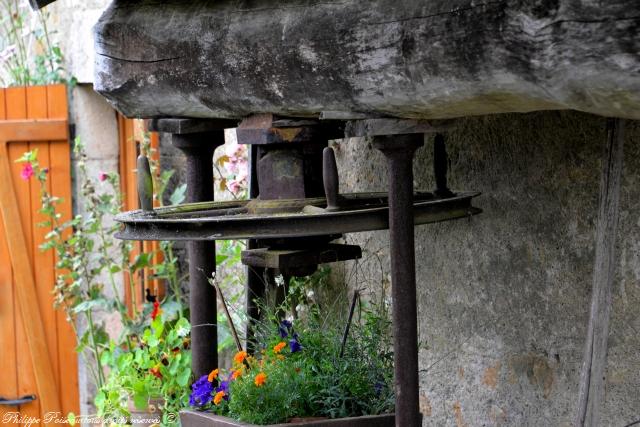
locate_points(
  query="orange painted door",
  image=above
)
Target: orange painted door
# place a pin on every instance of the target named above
(132, 135)
(37, 345)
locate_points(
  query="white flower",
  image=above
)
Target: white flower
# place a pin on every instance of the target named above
(8, 52)
(279, 280)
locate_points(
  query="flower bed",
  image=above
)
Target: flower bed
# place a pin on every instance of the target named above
(302, 372)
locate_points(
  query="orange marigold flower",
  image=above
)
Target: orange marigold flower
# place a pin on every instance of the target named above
(218, 397)
(213, 375)
(278, 347)
(240, 356)
(236, 374)
(261, 378)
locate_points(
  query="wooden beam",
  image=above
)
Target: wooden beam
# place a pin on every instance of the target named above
(420, 59)
(594, 364)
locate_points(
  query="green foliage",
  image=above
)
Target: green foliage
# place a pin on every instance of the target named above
(228, 254)
(316, 380)
(90, 259)
(156, 368)
(29, 54)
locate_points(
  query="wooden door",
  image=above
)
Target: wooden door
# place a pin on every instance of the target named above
(131, 134)
(37, 345)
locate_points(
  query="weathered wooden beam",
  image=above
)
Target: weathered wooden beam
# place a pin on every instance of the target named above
(350, 58)
(594, 363)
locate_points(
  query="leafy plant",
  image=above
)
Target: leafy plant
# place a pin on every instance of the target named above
(158, 367)
(298, 371)
(231, 175)
(90, 259)
(28, 52)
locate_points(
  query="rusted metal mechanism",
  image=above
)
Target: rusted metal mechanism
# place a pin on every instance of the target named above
(291, 223)
(286, 159)
(288, 154)
(274, 220)
(299, 262)
(197, 139)
(399, 151)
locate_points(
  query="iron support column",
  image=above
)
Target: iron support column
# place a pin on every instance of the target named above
(399, 151)
(255, 275)
(198, 149)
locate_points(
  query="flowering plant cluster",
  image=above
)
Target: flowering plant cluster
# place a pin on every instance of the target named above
(300, 373)
(215, 388)
(233, 170)
(145, 358)
(29, 55)
(157, 367)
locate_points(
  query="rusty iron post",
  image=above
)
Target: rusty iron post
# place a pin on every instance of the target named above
(198, 149)
(255, 286)
(399, 151)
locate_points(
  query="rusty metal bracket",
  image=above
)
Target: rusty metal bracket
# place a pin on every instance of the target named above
(300, 262)
(265, 129)
(15, 131)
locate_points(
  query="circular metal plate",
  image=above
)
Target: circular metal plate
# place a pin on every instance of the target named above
(303, 217)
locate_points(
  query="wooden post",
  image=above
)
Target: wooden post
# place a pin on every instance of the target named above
(594, 364)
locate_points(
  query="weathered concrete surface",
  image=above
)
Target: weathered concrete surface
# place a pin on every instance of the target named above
(504, 297)
(71, 23)
(96, 126)
(410, 58)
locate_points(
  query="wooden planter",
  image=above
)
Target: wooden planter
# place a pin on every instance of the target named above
(207, 419)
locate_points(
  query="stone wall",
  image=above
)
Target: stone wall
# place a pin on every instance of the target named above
(72, 24)
(503, 298)
(96, 125)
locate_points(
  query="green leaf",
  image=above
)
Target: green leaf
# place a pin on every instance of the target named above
(100, 399)
(158, 326)
(140, 400)
(178, 194)
(105, 358)
(141, 261)
(91, 305)
(183, 377)
(182, 327)
(153, 341)
(71, 417)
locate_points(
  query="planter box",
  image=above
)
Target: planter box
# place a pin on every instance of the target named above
(207, 419)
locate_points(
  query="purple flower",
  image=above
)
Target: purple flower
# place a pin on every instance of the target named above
(102, 176)
(294, 344)
(377, 387)
(224, 386)
(285, 328)
(201, 392)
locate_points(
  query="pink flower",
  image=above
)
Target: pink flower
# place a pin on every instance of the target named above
(234, 186)
(27, 171)
(103, 176)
